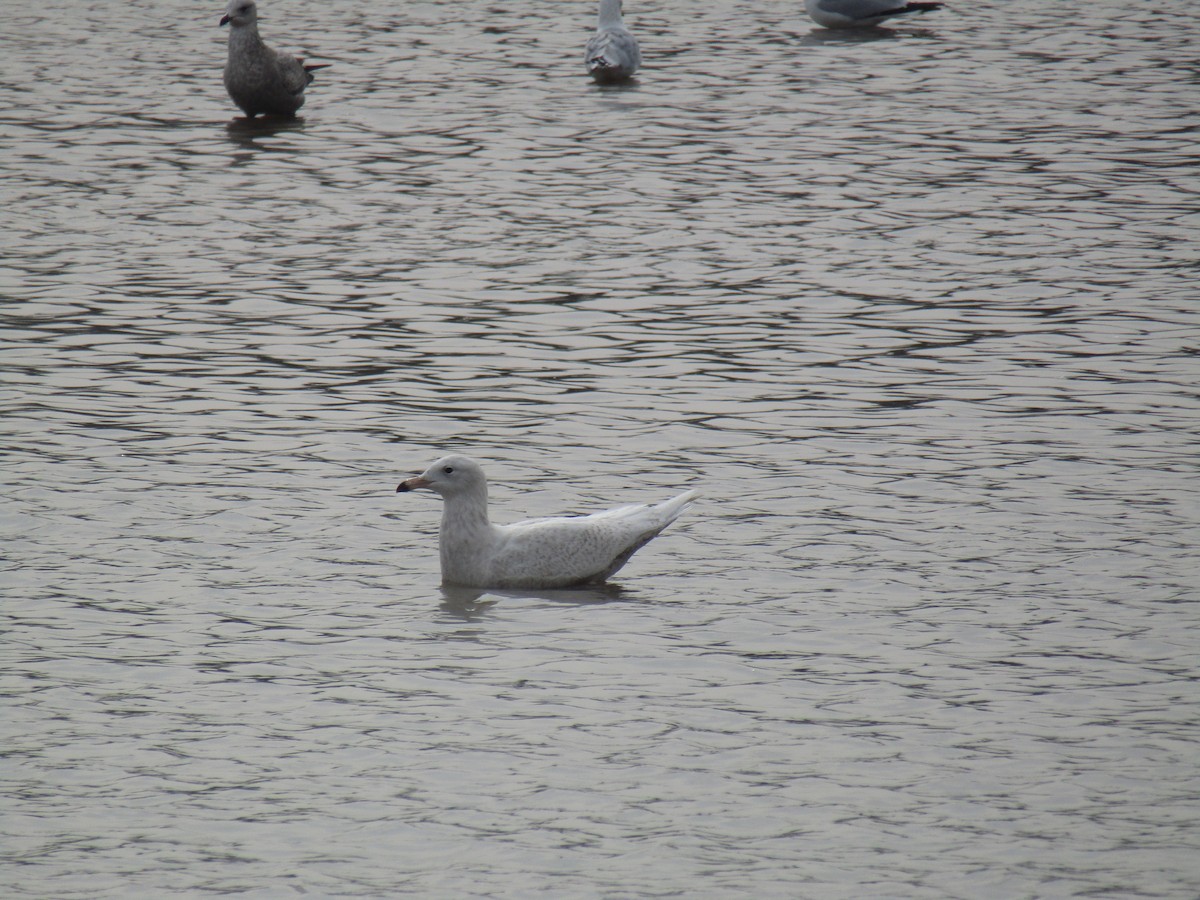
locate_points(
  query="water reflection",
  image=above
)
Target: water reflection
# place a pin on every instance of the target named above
(246, 131)
(469, 603)
(629, 85)
(819, 37)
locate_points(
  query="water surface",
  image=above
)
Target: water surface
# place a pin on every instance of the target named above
(916, 311)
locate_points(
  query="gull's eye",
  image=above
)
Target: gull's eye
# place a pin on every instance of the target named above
(448, 469)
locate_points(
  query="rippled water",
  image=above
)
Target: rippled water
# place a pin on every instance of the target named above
(916, 310)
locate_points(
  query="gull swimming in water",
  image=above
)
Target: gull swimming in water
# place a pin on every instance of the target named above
(259, 79)
(612, 54)
(861, 13)
(536, 553)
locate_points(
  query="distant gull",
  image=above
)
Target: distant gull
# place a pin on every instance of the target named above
(536, 553)
(612, 54)
(861, 13)
(259, 79)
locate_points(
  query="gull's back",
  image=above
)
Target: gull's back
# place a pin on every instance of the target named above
(612, 54)
(578, 550)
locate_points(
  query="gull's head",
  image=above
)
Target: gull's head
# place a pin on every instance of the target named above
(240, 12)
(449, 475)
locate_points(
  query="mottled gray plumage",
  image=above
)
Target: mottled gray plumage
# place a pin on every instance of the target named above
(258, 78)
(536, 553)
(861, 13)
(612, 54)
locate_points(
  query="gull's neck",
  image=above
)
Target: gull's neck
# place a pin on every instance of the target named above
(467, 509)
(610, 13)
(466, 534)
(244, 36)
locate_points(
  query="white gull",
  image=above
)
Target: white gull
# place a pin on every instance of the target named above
(612, 54)
(258, 78)
(861, 13)
(536, 553)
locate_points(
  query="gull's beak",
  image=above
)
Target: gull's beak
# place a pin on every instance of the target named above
(411, 485)
(224, 20)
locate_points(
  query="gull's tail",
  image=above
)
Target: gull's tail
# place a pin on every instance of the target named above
(673, 508)
(917, 8)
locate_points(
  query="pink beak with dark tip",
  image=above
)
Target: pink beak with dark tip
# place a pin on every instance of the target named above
(411, 485)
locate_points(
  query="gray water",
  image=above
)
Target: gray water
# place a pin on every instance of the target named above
(915, 310)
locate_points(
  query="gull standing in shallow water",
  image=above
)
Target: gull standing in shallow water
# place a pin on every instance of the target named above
(861, 13)
(612, 54)
(536, 553)
(259, 79)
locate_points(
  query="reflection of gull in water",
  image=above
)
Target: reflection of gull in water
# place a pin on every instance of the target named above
(259, 79)
(612, 54)
(818, 37)
(470, 603)
(244, 131)
(537, 553)
(861, 13)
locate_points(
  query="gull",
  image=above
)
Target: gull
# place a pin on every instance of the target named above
(258, 78)
(861, 13)
(535, 553)
(612, 54)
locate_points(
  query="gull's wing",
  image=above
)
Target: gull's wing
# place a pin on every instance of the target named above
(581, 549)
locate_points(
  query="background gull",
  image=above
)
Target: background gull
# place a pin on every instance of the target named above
(612, 54)
(258, 78)
(861, 13)
(536, 553)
